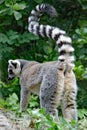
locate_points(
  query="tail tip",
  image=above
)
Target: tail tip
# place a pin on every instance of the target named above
(50, 10)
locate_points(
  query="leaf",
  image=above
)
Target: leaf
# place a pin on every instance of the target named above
(37, 124)
(8, 3)
(12, 99)
(1, 1)
(33, 104)
(33, 101)
(17, 15)
(13, 36)
(2, 102)
(32, 37)
(84, 7)
(38, 1)
(81, 113)
(85, 30)
(20, 6)
(3, 38)
(4, 12)
(77, 31)
(11, 32)
(47, 50)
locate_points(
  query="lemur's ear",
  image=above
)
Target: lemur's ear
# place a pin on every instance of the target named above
(9, 61)
(14, 64)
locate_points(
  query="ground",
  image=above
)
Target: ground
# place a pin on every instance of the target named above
(9, 122)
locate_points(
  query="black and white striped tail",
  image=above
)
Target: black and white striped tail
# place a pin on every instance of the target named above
(64, 42)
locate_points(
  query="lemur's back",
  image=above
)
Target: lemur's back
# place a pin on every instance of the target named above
(33, 73)
(37, 69)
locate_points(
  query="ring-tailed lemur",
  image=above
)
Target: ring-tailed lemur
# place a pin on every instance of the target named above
(53, 81)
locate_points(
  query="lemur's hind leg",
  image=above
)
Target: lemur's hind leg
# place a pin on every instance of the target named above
(69, 96)
(51, 91)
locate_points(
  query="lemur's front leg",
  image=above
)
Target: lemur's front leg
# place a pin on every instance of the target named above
(25, 94)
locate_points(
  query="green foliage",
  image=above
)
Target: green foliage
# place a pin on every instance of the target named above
(83, 4)
(12, 8)
(80, 38)
(2, 103)
(8, 89)
(80, 71)
(46, 122)
(38, 1)
(82, 94)
(12, 102)
(33, 102)
(82, 113)
(41, 120)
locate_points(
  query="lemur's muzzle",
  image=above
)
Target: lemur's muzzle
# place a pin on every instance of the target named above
(11, 77)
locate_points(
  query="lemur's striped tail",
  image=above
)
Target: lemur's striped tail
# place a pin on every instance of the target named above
(64, 42)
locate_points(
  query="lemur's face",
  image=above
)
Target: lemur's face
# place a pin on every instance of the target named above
(13, 69)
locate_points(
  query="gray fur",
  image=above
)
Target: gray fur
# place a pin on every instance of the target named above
(49, 82)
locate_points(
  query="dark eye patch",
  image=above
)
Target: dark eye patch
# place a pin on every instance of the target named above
(14, 64)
